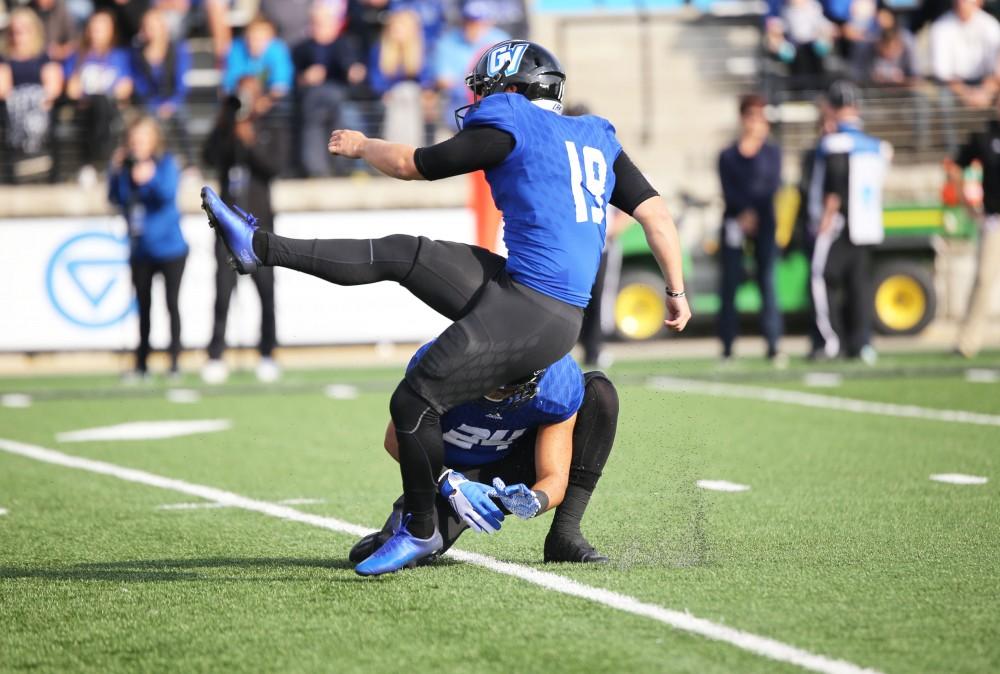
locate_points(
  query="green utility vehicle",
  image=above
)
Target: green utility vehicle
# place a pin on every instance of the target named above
(904, 297)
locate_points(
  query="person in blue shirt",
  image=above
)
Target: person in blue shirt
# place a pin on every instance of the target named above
(553, 178)
(261, 54)
(458, 49)
(98, 80)
(159, 66)
(553, 432)
(143, 183)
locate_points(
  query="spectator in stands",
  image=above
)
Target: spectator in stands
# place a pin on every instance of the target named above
(457, 52)
(159, 66)
(217, 18)
(29, 84)
(510, 16)
(259, 53)
(364, 21)
(893, 60)
(432, 18)
(291, 17)
(750, 173)
(846, 192)
(400, 72)
(891, 66)
(99, 79)
(983, 147)
(143, 183)
(175, 14)
(246, 149)
(128, 17)
(801, 37)
(327, 65)
(60, 30)
(965, 45)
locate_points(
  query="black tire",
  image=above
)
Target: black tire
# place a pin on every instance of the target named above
(639, 306)
(904, 300)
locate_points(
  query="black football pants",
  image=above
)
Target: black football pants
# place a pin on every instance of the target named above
(502, 331)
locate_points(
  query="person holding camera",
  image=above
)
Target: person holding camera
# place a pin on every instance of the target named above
(143, 183)
(247, 148)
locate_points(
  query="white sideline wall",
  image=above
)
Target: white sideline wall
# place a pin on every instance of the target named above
(66, 285)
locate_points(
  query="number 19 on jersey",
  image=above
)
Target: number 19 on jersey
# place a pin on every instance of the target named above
(587, 170)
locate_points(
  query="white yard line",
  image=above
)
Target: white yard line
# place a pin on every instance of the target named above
(776, 395)
(722, 485)
(146, 430)
(202, 505)
(183, 396)
(958, 478)
(15, 400)
(686, 622)
(978, 376)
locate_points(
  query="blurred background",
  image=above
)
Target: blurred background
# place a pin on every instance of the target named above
(113, 113)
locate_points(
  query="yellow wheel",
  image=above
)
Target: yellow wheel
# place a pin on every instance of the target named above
(904, 299)
(639, 308)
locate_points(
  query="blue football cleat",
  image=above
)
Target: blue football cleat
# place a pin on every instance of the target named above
(236, 229)
(401, 551)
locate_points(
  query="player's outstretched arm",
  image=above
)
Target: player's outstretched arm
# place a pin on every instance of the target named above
(661, 234)
(393, 159)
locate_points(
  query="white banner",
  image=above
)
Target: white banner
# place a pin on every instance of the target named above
(66, 285)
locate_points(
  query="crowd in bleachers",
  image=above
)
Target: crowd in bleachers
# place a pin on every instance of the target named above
(939, 52)
(394, 68)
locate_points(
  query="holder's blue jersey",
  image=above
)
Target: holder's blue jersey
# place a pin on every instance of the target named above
(553, 190)
(474, 435)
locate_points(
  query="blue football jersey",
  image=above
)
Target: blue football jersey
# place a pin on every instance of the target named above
(553, 190)
(475, 435)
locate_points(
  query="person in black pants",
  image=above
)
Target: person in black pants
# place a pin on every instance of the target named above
(846, 192)
(750, 173)
(247, 150)
(143, 183)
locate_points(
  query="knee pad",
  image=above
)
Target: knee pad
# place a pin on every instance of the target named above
(594, 435)
(600, 396)
(409, 409)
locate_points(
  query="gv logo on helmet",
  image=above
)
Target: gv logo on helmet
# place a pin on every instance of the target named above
(509, 54)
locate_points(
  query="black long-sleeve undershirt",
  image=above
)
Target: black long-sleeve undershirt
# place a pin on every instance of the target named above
(482, 147)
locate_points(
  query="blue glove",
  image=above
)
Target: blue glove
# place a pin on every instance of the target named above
(471, 502)
(518, 499)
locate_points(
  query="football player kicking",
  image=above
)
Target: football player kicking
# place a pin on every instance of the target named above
(552, 430)
(552, 177)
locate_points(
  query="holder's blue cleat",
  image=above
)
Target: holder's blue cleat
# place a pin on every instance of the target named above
(401, 551)
(236, 229)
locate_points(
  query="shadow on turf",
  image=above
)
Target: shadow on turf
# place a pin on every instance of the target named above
(157, 570)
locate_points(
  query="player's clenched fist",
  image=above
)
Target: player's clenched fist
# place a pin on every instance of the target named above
(346, 143)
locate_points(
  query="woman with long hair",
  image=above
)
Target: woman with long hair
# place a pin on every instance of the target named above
(402, 76)
(29, 83)
(143, 183)
(99, 79)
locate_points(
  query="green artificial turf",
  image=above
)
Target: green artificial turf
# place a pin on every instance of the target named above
(842, 546)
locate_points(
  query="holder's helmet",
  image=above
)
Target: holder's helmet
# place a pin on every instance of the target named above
(515, 394)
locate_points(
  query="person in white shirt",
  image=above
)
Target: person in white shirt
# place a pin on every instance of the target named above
(965, 46)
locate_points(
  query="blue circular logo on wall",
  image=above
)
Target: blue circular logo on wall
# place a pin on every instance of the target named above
(87, 280)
